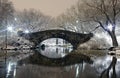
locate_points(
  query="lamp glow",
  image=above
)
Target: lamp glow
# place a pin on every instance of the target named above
(10, 28)
(77, 21)
(110, 27)
(26, 31)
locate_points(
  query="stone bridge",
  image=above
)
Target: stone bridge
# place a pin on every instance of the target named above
(72, 37)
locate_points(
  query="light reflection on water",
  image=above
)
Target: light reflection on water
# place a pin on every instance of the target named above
(105, 66)
(11, 69)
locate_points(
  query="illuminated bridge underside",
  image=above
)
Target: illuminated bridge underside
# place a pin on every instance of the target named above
(74, 38)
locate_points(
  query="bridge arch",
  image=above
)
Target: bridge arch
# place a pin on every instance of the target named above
(55, 41)
(72, 37)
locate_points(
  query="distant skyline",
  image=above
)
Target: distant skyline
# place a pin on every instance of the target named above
(48, 7)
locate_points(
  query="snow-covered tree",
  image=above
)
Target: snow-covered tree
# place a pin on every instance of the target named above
(105, 13)
(32, 20)
(6, 11)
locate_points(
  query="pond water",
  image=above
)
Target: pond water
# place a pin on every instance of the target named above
(41, 64)
(55, 51)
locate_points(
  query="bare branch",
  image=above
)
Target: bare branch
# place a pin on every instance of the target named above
(102, 10)
(100, 23)
(95, 28)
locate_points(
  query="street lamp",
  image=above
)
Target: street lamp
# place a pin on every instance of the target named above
(77, 21)
(110, 27)
(26, 31)
(10, 28)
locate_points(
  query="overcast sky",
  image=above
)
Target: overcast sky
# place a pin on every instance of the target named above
(48, 7)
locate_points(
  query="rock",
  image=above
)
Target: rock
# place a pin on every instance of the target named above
(43, 46)
(111, 52)
(114, 51)
(111, 49)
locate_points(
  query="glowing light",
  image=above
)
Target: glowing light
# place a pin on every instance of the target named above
(26, 31)
(11, 67)
(15, 19)
(77, 70)
(77, 21)
(110, 27)
(10, 28)
(14, 72)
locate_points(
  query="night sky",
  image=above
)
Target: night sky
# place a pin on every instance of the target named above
(48, 7)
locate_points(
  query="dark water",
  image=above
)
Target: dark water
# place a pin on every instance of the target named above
(59, 62)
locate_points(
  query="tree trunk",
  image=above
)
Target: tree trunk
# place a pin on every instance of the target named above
(113, 37)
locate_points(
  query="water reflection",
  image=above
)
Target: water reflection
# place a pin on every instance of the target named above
(69, 59)
(11, 69)
(55, 48)
(8, 62)
(55, 51)
(110, 71)
(32, 64)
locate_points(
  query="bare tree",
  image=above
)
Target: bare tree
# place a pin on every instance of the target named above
(105, 13)
(32, 20)
(74, 19)
(6, 11)
(68, 21)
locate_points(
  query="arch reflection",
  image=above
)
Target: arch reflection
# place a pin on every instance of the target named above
(55, 48)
